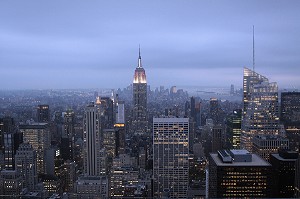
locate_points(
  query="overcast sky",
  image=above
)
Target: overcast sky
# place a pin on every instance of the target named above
(94, 44)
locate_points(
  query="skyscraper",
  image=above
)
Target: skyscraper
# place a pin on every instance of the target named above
(260, 107)
(170, 157)
(68, 137)
(26, 165)
(265, 145)
(43, 113)
(284, 165)
(38, 135)
(92, 139)
(233, 128)
(290, 116)
(238, 174)
(140, 123)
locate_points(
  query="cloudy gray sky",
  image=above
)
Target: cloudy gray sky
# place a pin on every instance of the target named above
(94, 44)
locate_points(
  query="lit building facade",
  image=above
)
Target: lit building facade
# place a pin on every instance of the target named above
(10, 183)
(170, 157)
(260, 108)
(238, 174)
(109, 142)
(233, 128)
(265, 145)
(140, 123)
(91, 187)
(290, 117)
(38, 135)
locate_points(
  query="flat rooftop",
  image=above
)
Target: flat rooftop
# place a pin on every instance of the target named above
(256, 161)
(239, 152)
(277, 156)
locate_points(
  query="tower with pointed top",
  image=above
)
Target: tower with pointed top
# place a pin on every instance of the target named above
(260, 108)
(140, 123)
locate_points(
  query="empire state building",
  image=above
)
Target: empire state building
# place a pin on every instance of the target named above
(140, 122)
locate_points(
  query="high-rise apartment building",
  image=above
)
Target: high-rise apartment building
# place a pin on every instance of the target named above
(140, 123)
(38, 135)
(43, 113)
(238, 174)
(260, 108)
(170, 157)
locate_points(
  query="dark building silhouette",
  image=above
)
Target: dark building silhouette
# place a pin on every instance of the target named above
(43, 113)
(217, 138)
(10, 141)
(284, 164)
(238, 174)
(290, 117)
(297, 179)
(233, 128)
(68, 137)
(196, 111)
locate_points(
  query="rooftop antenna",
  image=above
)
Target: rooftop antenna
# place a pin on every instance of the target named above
(253, 52)
(140, 59)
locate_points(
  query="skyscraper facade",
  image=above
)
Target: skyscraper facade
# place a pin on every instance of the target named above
(38, 135)
(290, 116)
(284, 165)
(233, 128)
(26, 165)
(170, 157)
(260, 108)
(265, 145)
(140, 123)
(43, 113)
(92, 139)
(238, 174)
(68, 137)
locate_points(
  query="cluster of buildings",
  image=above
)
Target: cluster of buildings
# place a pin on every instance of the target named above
(189, 149)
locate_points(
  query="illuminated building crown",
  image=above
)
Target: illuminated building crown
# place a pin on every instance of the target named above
(139, 73)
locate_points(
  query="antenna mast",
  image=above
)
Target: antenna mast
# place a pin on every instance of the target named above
(253, 51)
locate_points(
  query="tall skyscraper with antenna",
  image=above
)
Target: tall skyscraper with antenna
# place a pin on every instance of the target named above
(140, 123)
(260, 108)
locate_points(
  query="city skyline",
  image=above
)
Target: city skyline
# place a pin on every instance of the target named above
(56, 45)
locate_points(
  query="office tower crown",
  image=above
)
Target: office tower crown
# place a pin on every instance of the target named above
(139, 73)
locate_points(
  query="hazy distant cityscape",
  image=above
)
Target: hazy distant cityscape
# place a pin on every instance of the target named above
(139, 142)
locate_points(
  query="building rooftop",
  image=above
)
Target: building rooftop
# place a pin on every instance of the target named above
(256, 161)
(270, 137)
(239, 152)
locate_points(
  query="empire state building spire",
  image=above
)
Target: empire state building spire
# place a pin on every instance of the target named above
(140, 59)
(139, 74)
